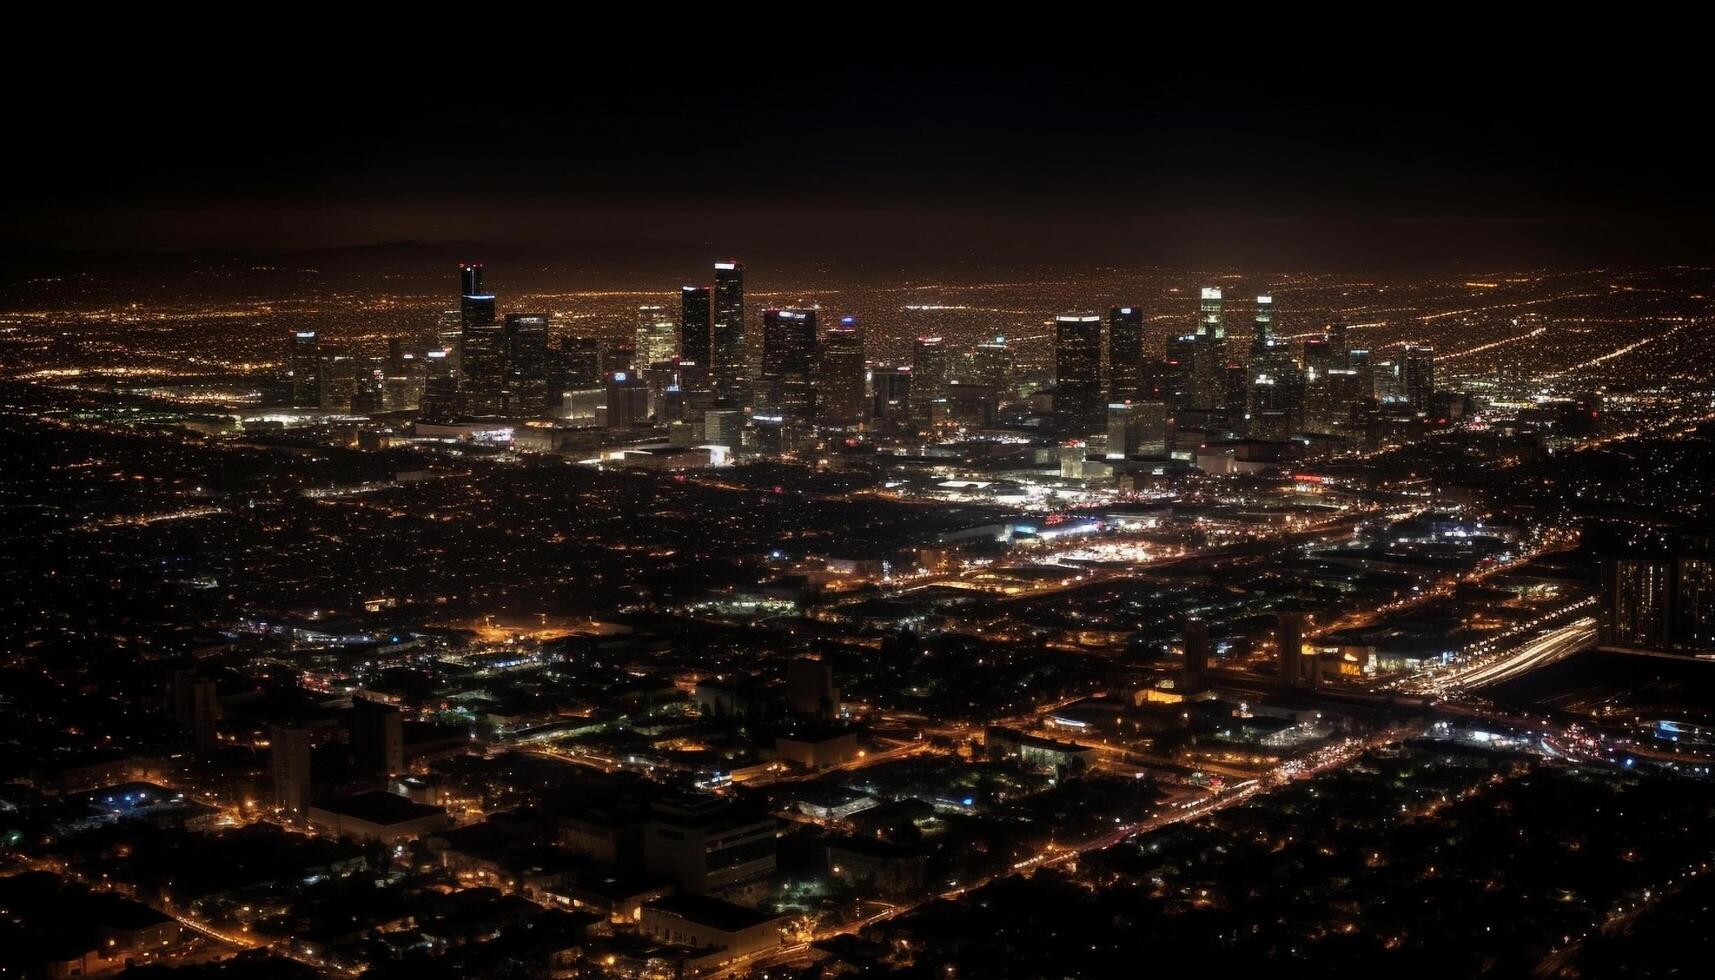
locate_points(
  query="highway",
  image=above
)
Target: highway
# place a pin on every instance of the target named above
(1492, 668)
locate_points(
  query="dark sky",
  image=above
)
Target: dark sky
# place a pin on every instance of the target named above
(1195, 146)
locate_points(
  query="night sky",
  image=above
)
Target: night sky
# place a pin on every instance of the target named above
(1225, 147)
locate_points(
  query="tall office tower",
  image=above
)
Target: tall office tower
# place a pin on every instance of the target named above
(696, 334)
(377, 737)
(1125, 353)
(289, 746)
(1294, 669)
(723, 427)
(1418, 376)
(1275, 382)
(1637, 601)
(1149, 418)
(338, 380)
(618, 357)
(1077, 374)
(1339, 346)
(194, 704)
(1237, 390)
(369, 391)
(482, 346)
(1358, 359)
(657, 335)
(579, 363)
(1156, 380)
(1209, 317)
(1124, 433)
(931, 374)
(1328, 405)
(404, 379)
(1209, 354)
(842, 385)
(1181, 359)
(527, 364)
(303, 359)
(449, 337)
(810, 687)
(890, 405)
(627, 400)
(789, 358)
(440, 385)
(731, 356)
(991, 365)
(1195, 677)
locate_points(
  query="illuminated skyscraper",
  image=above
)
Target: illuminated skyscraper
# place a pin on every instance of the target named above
(1209, 319)
(1078, 374)
(991, 366)
(657, 336)
(730, 351)
(842, 378)
(1125, 353)
(482, 346)
(1274, 383)
(789, 357)
(303, 359)
(1638, 602)
(1208, 355)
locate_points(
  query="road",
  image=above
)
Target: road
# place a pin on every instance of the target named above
(1505, 664)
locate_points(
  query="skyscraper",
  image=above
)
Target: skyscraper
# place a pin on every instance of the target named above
(337, 379)
(890, 405)
(194, 704)
(789, 357)
(289, 747)
(1124, 435)
(1418, 376)
(377, 737)
(991, 365)
(304, 361)
(527, 364)
(842, 377)
(931, 373)
(657, 336)
(1274, 384)
(482, 346)
(1078, 374)
(730, 352)
(1125, 353)
(1208, 354)
(696, 334)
